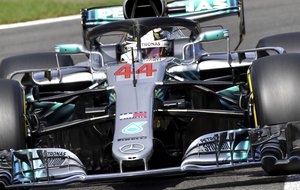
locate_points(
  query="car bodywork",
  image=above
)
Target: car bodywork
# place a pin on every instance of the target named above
(192, 111)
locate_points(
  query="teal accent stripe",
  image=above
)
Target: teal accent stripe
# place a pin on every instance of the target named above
(234, 2)
(105, 14)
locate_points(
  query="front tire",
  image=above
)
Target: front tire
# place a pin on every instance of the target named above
(12, 121)
(275, 81)
(289, 41)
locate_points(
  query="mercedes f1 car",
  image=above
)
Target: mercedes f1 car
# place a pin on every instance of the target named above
(149, 100)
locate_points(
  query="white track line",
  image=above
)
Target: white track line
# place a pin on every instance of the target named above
(39, 22)
(292, 182)
(292, 185)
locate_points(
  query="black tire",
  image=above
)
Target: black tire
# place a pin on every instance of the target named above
(289, 41)
(12, 122)
(275, 81)
(32, 61)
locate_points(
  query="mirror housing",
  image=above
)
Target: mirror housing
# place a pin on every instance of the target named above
(67, 49)
(63, 49)
(70, 49)
(213, 35)
(208, 36)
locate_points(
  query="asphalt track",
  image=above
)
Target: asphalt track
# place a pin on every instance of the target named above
(263, 18)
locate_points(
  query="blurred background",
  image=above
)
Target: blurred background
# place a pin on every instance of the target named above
(13, 11)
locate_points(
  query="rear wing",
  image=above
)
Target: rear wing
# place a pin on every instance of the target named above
(200, 10)
(197, 10)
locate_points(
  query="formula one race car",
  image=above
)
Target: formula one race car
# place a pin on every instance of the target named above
(148, 101)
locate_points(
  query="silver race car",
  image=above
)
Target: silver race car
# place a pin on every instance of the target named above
(148, 99)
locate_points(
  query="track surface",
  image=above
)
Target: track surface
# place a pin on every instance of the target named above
(263, 18)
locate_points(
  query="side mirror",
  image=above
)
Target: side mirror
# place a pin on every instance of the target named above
(70, 49)
(213, 35)
(76, 49)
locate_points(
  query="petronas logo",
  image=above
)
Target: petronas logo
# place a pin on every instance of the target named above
(134, 127)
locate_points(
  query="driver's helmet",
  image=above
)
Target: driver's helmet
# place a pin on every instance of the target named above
(154, 46)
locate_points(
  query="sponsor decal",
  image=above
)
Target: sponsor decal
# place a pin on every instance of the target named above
(132, 148)
(149, 44)
(211, 145)
(106, 13)
(132, 138)
(56, 153)
(133, 115)
(134, 127)
(148, 60)
(203, 5)
(153, 44)
(207, 139)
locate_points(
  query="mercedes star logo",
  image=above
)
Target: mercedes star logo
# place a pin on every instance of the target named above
(132, 148)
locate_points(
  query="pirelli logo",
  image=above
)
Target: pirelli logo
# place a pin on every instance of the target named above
(133, 115)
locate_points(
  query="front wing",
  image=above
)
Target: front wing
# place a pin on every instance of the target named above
(39, 167)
